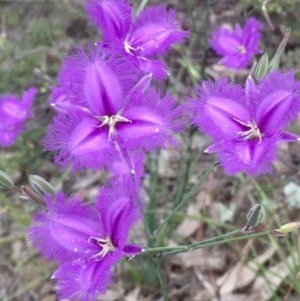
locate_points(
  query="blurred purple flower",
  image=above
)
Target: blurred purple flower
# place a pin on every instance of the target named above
(238, 46)
(114, 112)
(247, 124)
(86, 240)
(14, 112)
(151, 34)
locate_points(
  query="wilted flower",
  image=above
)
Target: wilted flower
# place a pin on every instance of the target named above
(238, 46)
(14, 112)
(113, 113)
(151, 34)
(247, 123)
(88, 241)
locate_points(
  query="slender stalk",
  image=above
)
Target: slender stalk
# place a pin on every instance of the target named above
(204, 41)
(204, 244)
(155, 261)
(151, 212)
(160, 277)
(187, 163)
(185, 199)
(141, 7)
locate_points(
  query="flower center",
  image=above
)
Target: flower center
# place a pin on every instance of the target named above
(106, 245)
(111, 122)
(252, 132)
(129, 48)
(242, 49)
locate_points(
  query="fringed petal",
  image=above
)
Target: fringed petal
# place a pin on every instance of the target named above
(219, 108)
(113, 17)
(86, 280)
(155, 31)
(78, 140)
(62, 232)
(120, 208)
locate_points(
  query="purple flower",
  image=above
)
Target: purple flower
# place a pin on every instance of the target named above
(113, 113)
(14, 112)
(86, 240)
(151, 34)
(238, 46)
(247, 123)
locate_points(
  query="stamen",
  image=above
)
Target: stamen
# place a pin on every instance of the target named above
(242, 49)
(111, 122)
(252, 133)
(129, 48)
(106, 246)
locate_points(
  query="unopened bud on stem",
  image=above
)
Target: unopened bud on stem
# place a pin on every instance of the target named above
(40, 185)
(255, 215)
(6, 182)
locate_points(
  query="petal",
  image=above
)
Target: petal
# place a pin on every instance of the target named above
(155, 67)
(85, 281)
(102, 89)
(99, 80)
(8, 137)
(120, 167)
(225, 42)
(218, 107)
(13, 111)
(28, 98)
(79, 141)
(155, 31)
(215, 148)
(289, 137)
(120, 208)
(153, 122)
(63, 231)
(252, 35)
(132, 249)
(113, 17)
(273, 110)
(249, 156)
(278, 102)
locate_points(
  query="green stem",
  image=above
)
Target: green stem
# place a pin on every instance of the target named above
(161, 279)
(156, 261)
(187, 163)
(206, 243)
(141, 7)
(204, 42)
(185, 199)
(151, 212)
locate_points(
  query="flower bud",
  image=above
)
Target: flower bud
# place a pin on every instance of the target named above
(255, 215)
(5, 181)
(262, 67)
(40, 185)
(289, 227)
(274, 63)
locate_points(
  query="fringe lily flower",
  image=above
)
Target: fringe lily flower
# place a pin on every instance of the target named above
(87, 241)
(114, 113)
(247, 123)
(14, 112)
(151, 34)
(237, 46)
